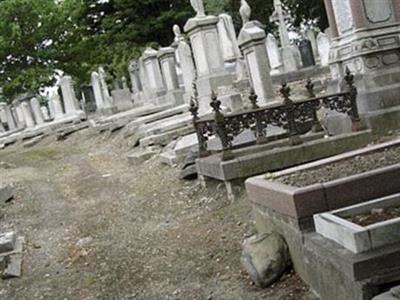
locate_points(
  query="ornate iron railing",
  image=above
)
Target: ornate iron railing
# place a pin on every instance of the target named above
(296, 117)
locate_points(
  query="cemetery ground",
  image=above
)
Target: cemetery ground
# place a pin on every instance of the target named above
(98, 228)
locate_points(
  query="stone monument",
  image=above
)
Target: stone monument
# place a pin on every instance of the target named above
(324, 46)
(71, 105)
(37, 112)
(290, 62)
(252, 40)
(108, 106)
(153, 73)
(274, 54)
(184, 52)
(207, 52)
(167, 61)
(366, 39)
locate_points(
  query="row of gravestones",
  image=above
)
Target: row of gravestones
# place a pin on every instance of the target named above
(27, 112)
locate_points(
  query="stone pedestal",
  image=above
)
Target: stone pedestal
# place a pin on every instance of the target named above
(252, 39)
(365, 38)
(167, 60)
(71, 105)
(207, 54)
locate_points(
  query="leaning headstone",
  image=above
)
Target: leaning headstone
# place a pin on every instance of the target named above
(37, 111)
(274, 53)
(55, 104)
(228, 40)
(108, 105)
(71, 105)
(184, 52)
(323, 48)
(98, 94)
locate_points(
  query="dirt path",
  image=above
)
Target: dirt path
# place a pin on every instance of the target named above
(97, 228)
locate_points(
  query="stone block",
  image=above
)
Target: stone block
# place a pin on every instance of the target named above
(138, 157)
(6, 193)
(7, 242)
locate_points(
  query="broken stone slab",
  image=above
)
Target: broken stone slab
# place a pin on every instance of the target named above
(63, 133)
(7, 242)
(6, 193)
(393, 294)
(138, 157)
(265, 257)
(14, 265)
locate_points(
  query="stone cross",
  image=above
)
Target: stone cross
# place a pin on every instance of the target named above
(280, 16)
(198, 7)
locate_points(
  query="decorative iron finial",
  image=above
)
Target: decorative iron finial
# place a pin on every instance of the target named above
(253, 98)
(215, 103)
(310, 88)
(194, 102)
(285, 91)
(349, 77)
(245, 12)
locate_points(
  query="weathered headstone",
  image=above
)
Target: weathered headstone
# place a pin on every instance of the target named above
(153, 73)
(71, 105)
(45, 113)
(252, 39)
(274, 53)
(323, 48)
(37, 112)
(227, 38)
(27, 113)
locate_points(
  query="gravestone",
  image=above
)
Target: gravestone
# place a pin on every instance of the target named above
(323, 48)
(107, 106)
(153, 73)
(37, 112)
(365, 39)
(227, 38)
(252, 39)
(274, 53)
(310, 35)
(167, 61)
(97, 91)
(307, 56)
(211, 73)
(55, 104)
(288, 52)
(45, 113)
(184, 52)
(27, 113)
(71, 105)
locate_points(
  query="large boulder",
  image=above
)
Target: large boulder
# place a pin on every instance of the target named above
(265, 257)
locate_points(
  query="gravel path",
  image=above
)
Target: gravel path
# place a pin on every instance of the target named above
(356, 165)
(97, 228)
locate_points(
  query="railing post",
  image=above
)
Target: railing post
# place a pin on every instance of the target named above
(220, 128)
(194, 110)
(316, 124)
(352, 90)
(259, 130)
(290, 110)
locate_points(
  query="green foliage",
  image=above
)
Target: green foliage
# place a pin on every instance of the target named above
(39, 37)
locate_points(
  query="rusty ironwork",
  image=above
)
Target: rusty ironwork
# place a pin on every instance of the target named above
(295, 117)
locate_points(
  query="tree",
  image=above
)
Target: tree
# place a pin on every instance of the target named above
(27, 31)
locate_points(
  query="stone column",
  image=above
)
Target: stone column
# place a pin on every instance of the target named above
(70, 102)
(252, 39)
(211, 73)
(167, 60)
(368, 44)
(26, 111)
(153, 73)
(37, 112)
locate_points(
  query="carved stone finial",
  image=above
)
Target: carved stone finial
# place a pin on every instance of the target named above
(198, 7)
(245, 11)
(177, 32)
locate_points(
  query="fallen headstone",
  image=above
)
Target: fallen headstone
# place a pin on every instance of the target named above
(138, 157)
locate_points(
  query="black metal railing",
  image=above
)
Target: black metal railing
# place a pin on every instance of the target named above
(295, 117)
